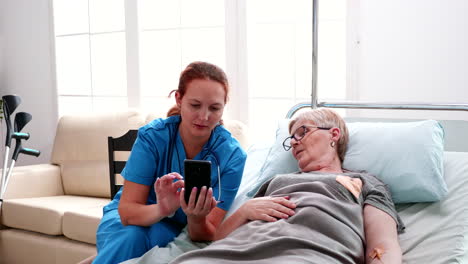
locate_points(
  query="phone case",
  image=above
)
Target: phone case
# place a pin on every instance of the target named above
(197, 173)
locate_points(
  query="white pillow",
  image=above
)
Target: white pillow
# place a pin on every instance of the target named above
(407, 156)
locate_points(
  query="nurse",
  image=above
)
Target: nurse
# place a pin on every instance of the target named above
(150, 210)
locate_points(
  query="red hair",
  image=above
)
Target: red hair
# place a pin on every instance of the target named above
(199, 70)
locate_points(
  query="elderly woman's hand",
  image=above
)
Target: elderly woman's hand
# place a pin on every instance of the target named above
(268, 208)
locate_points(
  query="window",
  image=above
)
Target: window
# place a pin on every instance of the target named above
(90, 55)
(279, 56)
(114, 54)
(173, 34)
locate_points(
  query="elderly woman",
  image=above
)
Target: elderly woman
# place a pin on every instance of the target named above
(323, 214)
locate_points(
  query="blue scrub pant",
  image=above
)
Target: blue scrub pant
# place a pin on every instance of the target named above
(116, 243)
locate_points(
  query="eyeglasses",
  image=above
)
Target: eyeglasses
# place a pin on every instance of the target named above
(299, 134)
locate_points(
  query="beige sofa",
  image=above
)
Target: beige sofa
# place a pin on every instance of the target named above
(51, 211)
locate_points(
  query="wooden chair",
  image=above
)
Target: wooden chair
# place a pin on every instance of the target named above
(123, 143)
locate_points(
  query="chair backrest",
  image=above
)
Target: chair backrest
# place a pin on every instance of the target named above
(123, 143)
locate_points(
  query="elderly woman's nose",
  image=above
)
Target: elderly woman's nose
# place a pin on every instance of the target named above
(294, 141)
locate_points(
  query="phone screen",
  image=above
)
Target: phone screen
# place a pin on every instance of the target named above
(197, 173)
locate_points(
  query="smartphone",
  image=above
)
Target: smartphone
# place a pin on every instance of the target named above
(197, 173)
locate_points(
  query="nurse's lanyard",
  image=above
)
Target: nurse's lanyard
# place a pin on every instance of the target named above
(209, 153)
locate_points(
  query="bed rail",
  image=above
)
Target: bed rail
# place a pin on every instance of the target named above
(376, 105)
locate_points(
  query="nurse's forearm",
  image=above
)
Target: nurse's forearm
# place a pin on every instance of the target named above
(205, 228)
(201, 229)
(139, 214)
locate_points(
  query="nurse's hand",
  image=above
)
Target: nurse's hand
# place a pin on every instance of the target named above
(205, 203)
(168, 192)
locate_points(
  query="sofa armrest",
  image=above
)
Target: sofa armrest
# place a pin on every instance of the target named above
(34, 181)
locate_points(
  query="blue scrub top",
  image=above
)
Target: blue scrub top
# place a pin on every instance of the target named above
(158, 150)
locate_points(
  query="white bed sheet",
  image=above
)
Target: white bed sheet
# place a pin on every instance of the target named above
(438, 232)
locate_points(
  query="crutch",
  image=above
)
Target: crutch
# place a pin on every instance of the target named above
(10, 103)
(18, 150)
(21, 119)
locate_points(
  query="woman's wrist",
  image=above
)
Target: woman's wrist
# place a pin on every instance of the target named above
(162, 212)
(243, 212)
(197, 220)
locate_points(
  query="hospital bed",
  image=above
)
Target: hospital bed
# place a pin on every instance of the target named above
(436, 232)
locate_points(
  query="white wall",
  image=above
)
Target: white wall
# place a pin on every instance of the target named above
(26, 31)
(413, 51)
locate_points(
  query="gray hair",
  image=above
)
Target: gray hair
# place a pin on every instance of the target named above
(324, 117)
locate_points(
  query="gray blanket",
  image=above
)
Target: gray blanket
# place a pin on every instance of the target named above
(326, 228)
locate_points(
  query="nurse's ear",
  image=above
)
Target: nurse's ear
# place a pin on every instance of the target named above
(178, 98)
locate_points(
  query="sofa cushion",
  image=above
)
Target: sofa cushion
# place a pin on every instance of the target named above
(86, 178)
(81, 224)
(44, 214)
(34, 181)
(84, 138)
(19, 246)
